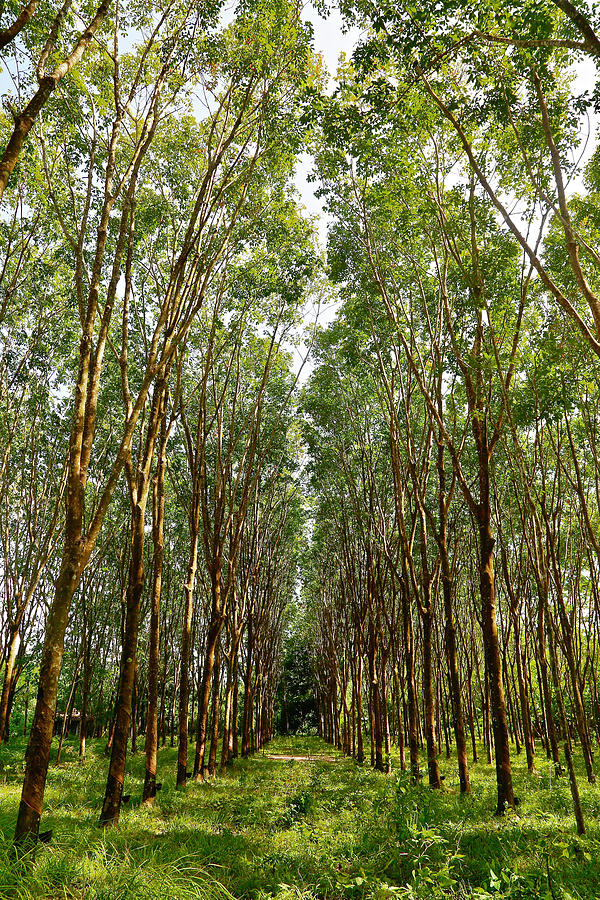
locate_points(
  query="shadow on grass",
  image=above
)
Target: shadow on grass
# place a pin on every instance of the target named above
(299, 829)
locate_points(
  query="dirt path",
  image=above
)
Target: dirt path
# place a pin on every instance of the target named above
(303, 758)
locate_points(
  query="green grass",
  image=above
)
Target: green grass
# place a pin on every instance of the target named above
(303, 830)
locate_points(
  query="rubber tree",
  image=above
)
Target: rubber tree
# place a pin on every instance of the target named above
(91, 224)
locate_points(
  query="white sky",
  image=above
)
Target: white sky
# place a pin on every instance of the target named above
(330, 41)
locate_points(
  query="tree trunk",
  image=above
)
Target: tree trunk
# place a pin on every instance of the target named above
(546, 692)
(360, 750)
(493, 664)
(234, 713)
(524, 702)
(375, 704)
(25, 714)
(450, 630)
(67, 713)
(227, 715)
(214, 740)
(411, 689)
(247, 693)
(212, 640)
(85, 696)
(37, 756)
(158, 521)
(184, 679)
(116, 773)
(134, 711)
(399, 720)
(432, 763)
(11, 656)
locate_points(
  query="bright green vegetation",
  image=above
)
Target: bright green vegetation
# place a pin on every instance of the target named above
(303, 829)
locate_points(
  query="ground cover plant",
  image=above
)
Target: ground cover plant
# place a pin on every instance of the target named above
(295, 828)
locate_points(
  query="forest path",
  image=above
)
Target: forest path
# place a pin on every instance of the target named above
(300, 748)
(295, 758)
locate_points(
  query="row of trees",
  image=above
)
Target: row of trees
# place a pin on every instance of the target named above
(453, 415)
(153, 275)
(154, 268)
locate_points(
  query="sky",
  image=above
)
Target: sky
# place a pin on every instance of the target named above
(330, 41)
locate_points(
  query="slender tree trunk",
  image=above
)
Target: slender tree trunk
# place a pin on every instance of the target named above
(375, 704)
(11, 656)
(247, 692)
(139, 487)
(360, 755)
(234, 714)
(162, 716)
(174, 707)
(574, 790)
(214, 740)
(37, 756)
(184, 689)
(568, 753)
(450, 630)
(399, 720)
(432, 763)
(386, 727)
(547, 692)
(227, 723)
(212, 640)
(67, 713)
(580, 713)
(134, 710)
(158, 521)
(11, 700)
(454, 683)
(230, 726)
(411, 689)
(116, 773)
(85, 695)
(493, 663)
(26, 711)
(524, 701)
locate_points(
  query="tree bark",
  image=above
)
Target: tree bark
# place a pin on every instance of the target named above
(432, 763)
(493, 664)
(212, 640)
(184, 678)
(411, 688)
(11, 656)
(37, 756)
(111, 806)
(158, 521)
(214, 740)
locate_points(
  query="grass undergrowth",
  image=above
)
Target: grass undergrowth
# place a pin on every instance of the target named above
(301, 830)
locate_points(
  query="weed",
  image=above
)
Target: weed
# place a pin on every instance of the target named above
(312, 830)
